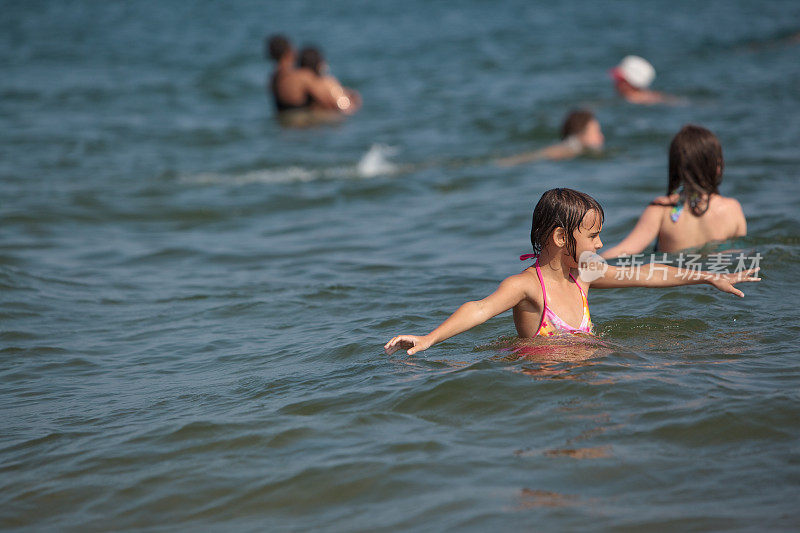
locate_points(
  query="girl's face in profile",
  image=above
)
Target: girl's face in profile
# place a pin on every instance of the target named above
(587, 236)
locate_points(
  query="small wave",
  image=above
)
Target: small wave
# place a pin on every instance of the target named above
(373, 163)
(279, 175)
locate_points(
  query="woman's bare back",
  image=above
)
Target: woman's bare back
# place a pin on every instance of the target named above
(723, 220)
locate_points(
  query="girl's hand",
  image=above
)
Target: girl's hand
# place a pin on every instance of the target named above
(725, 282)
(411, 343)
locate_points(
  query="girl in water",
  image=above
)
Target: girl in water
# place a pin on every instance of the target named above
(549, 297)
(693, 212)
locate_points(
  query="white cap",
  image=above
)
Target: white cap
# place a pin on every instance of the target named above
(635, 70)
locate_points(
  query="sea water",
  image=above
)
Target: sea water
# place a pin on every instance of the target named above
(194, 300)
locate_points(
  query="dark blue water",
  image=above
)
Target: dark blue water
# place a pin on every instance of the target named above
(193, 300)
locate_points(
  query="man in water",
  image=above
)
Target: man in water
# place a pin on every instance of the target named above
(295, 89)
(632, 77)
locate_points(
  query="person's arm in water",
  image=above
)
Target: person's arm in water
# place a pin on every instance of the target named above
(657, 275)
(355, 100)
(518, 159)
(319, 91)
(348, 101)
(643, 97)
(647, 97)
(554, 152)
(643, 233)
(510, 292)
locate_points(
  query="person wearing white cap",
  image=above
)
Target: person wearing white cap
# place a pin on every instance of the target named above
(632, 77)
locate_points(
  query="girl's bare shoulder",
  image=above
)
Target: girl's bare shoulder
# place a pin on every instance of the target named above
(527, 281)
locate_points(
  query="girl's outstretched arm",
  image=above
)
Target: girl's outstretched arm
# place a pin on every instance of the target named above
(658, 275)
(645, 232)
(510, 292)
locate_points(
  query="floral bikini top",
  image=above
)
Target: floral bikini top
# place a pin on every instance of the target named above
(551, 323)
(677, 208)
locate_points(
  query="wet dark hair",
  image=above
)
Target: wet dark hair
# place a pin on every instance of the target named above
(696, 164)
(311, 58)
(561, 208)
(576, 122)
(276, 46)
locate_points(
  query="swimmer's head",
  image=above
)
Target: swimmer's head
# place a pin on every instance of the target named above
(311, 58)
(635, 71)
(696, 164)
(566, 209)
(583, 125)
(277, 46)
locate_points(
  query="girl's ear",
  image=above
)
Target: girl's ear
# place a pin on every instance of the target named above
(559, 237)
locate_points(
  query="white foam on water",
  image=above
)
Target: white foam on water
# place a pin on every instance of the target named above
(373, 163)
(278, 175)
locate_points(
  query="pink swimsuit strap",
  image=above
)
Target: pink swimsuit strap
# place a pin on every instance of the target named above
(554, 319)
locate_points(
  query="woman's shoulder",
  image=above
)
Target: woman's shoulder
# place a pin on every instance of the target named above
(725, 206)
(728, 201)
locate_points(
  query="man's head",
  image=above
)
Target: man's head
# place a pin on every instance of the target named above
(276, 47)
(635, 71)
(311, 58)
